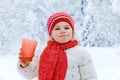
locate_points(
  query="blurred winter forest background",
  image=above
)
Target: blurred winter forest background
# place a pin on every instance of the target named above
(97, 22)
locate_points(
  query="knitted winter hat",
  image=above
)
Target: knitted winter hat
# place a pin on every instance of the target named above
(58, 17)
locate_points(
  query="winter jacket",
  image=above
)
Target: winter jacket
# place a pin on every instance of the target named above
(80, 65)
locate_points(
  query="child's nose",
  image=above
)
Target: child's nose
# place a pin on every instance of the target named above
(62, 31)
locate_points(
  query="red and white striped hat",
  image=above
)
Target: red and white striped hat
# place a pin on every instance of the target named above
(58, 17)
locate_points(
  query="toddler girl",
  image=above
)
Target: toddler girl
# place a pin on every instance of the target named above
(62, 58)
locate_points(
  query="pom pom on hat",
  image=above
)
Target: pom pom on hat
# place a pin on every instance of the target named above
(58, 17)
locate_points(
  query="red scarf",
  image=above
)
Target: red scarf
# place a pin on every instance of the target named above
(53, 61)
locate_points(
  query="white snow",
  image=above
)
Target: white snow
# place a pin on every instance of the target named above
(8, 68)
(116, 7)
(106, 61)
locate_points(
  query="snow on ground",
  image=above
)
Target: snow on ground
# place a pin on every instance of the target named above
(106, 60)
(8, 70)
(107, 63)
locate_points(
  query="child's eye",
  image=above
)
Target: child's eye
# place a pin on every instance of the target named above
(57, 28)
(67, 28)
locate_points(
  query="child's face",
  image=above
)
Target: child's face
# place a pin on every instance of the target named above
(62, 32)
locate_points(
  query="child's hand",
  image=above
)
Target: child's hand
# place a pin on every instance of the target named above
(24, 63)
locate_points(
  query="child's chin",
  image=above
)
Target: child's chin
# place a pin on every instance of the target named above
(63, 41)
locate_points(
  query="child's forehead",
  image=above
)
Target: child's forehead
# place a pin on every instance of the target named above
(61, 25)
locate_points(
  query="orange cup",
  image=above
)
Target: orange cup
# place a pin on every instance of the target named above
(28, 49)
